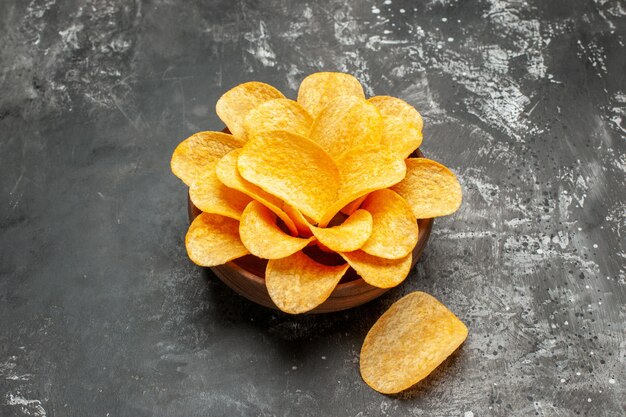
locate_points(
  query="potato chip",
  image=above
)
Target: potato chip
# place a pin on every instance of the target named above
(363, 170)
(345, 123)
(293, 168)
(278, 114)
(302, 224)
(200, 152)
(402, 125)
(211, 196)
(394, 230)
(412, 338)
(353, 206)
(214, 240)
(226, 170)
(236, 103)
(319, 89)
(430, 188)
(348, 236)
(323, 247)
(298, 284)
(379, 272)
(262, 236)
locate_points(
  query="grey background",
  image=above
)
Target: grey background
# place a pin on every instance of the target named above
(101, 312)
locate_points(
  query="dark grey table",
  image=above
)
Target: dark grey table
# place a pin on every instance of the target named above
(101, 312)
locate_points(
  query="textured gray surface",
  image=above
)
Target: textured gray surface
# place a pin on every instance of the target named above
(101, 312)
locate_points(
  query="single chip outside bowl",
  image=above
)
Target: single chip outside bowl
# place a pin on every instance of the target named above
(246, 276)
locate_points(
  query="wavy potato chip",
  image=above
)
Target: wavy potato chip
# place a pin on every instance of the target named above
(402, 125)
(292, 168)
(298, 284)
(200, 152)
(363, 170)
(412, 338)
(394, 229)
(211, 196)
(263, 238)
(214, 240)
(379, 272)
(345, 123)
(278, 114)
(319, 89)
(430, 188)
(353, 206)
(226, 170)
(235, 104)
(348, 236)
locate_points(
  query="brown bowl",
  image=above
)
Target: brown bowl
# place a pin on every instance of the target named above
(246, 276)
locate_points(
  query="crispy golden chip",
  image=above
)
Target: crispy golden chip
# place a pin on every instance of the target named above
(393, 107)
(353, 206)
(363, 170)
(211, 196)
(394, 230)
(278, 114)
(412, 338)
(302, 224)
(292, 168)
(402, 125)
(214, 240)
(324, 248)
(430, 188)
(226, 170)
(200, 152)
(319, 89)
(345, 123)
(298, 284)
(379, 272)
(348, 236)
(262, 236)
(236, 103)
